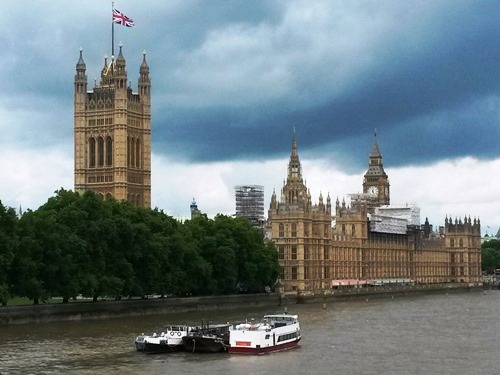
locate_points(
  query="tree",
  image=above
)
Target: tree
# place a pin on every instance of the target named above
(491, 255)
(8, 244)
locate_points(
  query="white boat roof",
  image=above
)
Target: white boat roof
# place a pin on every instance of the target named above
(281, 316)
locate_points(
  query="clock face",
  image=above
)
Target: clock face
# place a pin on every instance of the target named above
(373, 190)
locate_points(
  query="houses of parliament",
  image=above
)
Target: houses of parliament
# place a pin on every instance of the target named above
(326, 245)
(319, 245)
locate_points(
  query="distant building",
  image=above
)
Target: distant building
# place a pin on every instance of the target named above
(194, 209)
(250, 203)
(113, 133)
(366, 241)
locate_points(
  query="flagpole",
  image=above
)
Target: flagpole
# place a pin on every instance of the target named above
(112, 31)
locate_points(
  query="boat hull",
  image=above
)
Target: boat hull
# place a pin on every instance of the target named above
(263, 350)
(198, 344)
(150, 348)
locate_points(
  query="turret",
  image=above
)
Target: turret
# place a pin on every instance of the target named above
(80, 81)
(144, 82)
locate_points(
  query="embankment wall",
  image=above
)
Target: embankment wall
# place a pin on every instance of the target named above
(135, 307)
(337, 295)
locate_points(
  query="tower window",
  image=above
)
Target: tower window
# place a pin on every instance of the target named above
(109, 151)
(100, 152)
(281, 230)
(91, 152)
(138, 153)
(294, 230)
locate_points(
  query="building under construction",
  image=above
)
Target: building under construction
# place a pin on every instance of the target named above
(250, 203)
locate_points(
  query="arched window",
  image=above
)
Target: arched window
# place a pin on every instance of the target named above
(132, 152)
(138, 153)
(281, 230)
(128, 154)
(294, 230)
(109, 151)
(461, 242)
(108, 196)
(100, 151)
(91, 152)
(452, 242)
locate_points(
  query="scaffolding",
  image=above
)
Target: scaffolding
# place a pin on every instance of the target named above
(250, 203)
(394, 218)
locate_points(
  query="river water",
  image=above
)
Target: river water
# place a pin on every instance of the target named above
(434, 334)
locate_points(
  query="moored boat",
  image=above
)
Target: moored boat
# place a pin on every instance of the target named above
(168, 341)
(208, 338)
(274, 333)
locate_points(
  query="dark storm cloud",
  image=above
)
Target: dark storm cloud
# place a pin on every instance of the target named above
(432, 91)
(232, 79)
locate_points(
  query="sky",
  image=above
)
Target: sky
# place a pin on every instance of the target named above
(231, 80)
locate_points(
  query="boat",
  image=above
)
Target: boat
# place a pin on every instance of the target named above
(209, 338)
(168, 341)
(274, 333)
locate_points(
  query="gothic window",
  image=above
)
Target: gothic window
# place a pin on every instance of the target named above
(100, 151)
(281, 230)
(129, 153)
(306, 230)
(294, 252)
(326, 272)
(306, 273)
(294, 273)
(325, 234)
(343, 228)
(353, 230)
(281, 252)
(452, 242)
(306, 252)
(294, 230)
(325, 252)
(138, 153)
(109, 151)
(91, 152)
(109, 196)
(461, 242)
(282, 273)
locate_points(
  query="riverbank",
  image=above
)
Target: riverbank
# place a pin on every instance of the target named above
(136, 307)
(144, 307)
(366, 293)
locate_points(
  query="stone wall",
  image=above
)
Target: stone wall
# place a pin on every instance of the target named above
(108, 309)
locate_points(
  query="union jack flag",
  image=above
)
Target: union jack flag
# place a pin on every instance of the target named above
(122, 19)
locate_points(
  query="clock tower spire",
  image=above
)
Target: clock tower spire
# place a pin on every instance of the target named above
(376, 181)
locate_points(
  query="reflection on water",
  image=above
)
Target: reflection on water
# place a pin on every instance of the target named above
(438, 334)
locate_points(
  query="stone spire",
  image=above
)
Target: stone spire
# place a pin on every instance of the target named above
(294, 167)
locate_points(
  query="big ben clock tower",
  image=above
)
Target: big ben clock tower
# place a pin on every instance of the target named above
(376, 182)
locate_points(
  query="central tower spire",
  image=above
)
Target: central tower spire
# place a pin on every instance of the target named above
(294, 167)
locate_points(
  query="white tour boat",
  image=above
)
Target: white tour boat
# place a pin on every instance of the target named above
(168, 341)
(275, 333)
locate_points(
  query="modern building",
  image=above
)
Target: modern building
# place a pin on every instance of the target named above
(112, 133)
(368, 241)
(250, 203)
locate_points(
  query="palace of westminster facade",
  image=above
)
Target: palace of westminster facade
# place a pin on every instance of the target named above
(365, 240)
